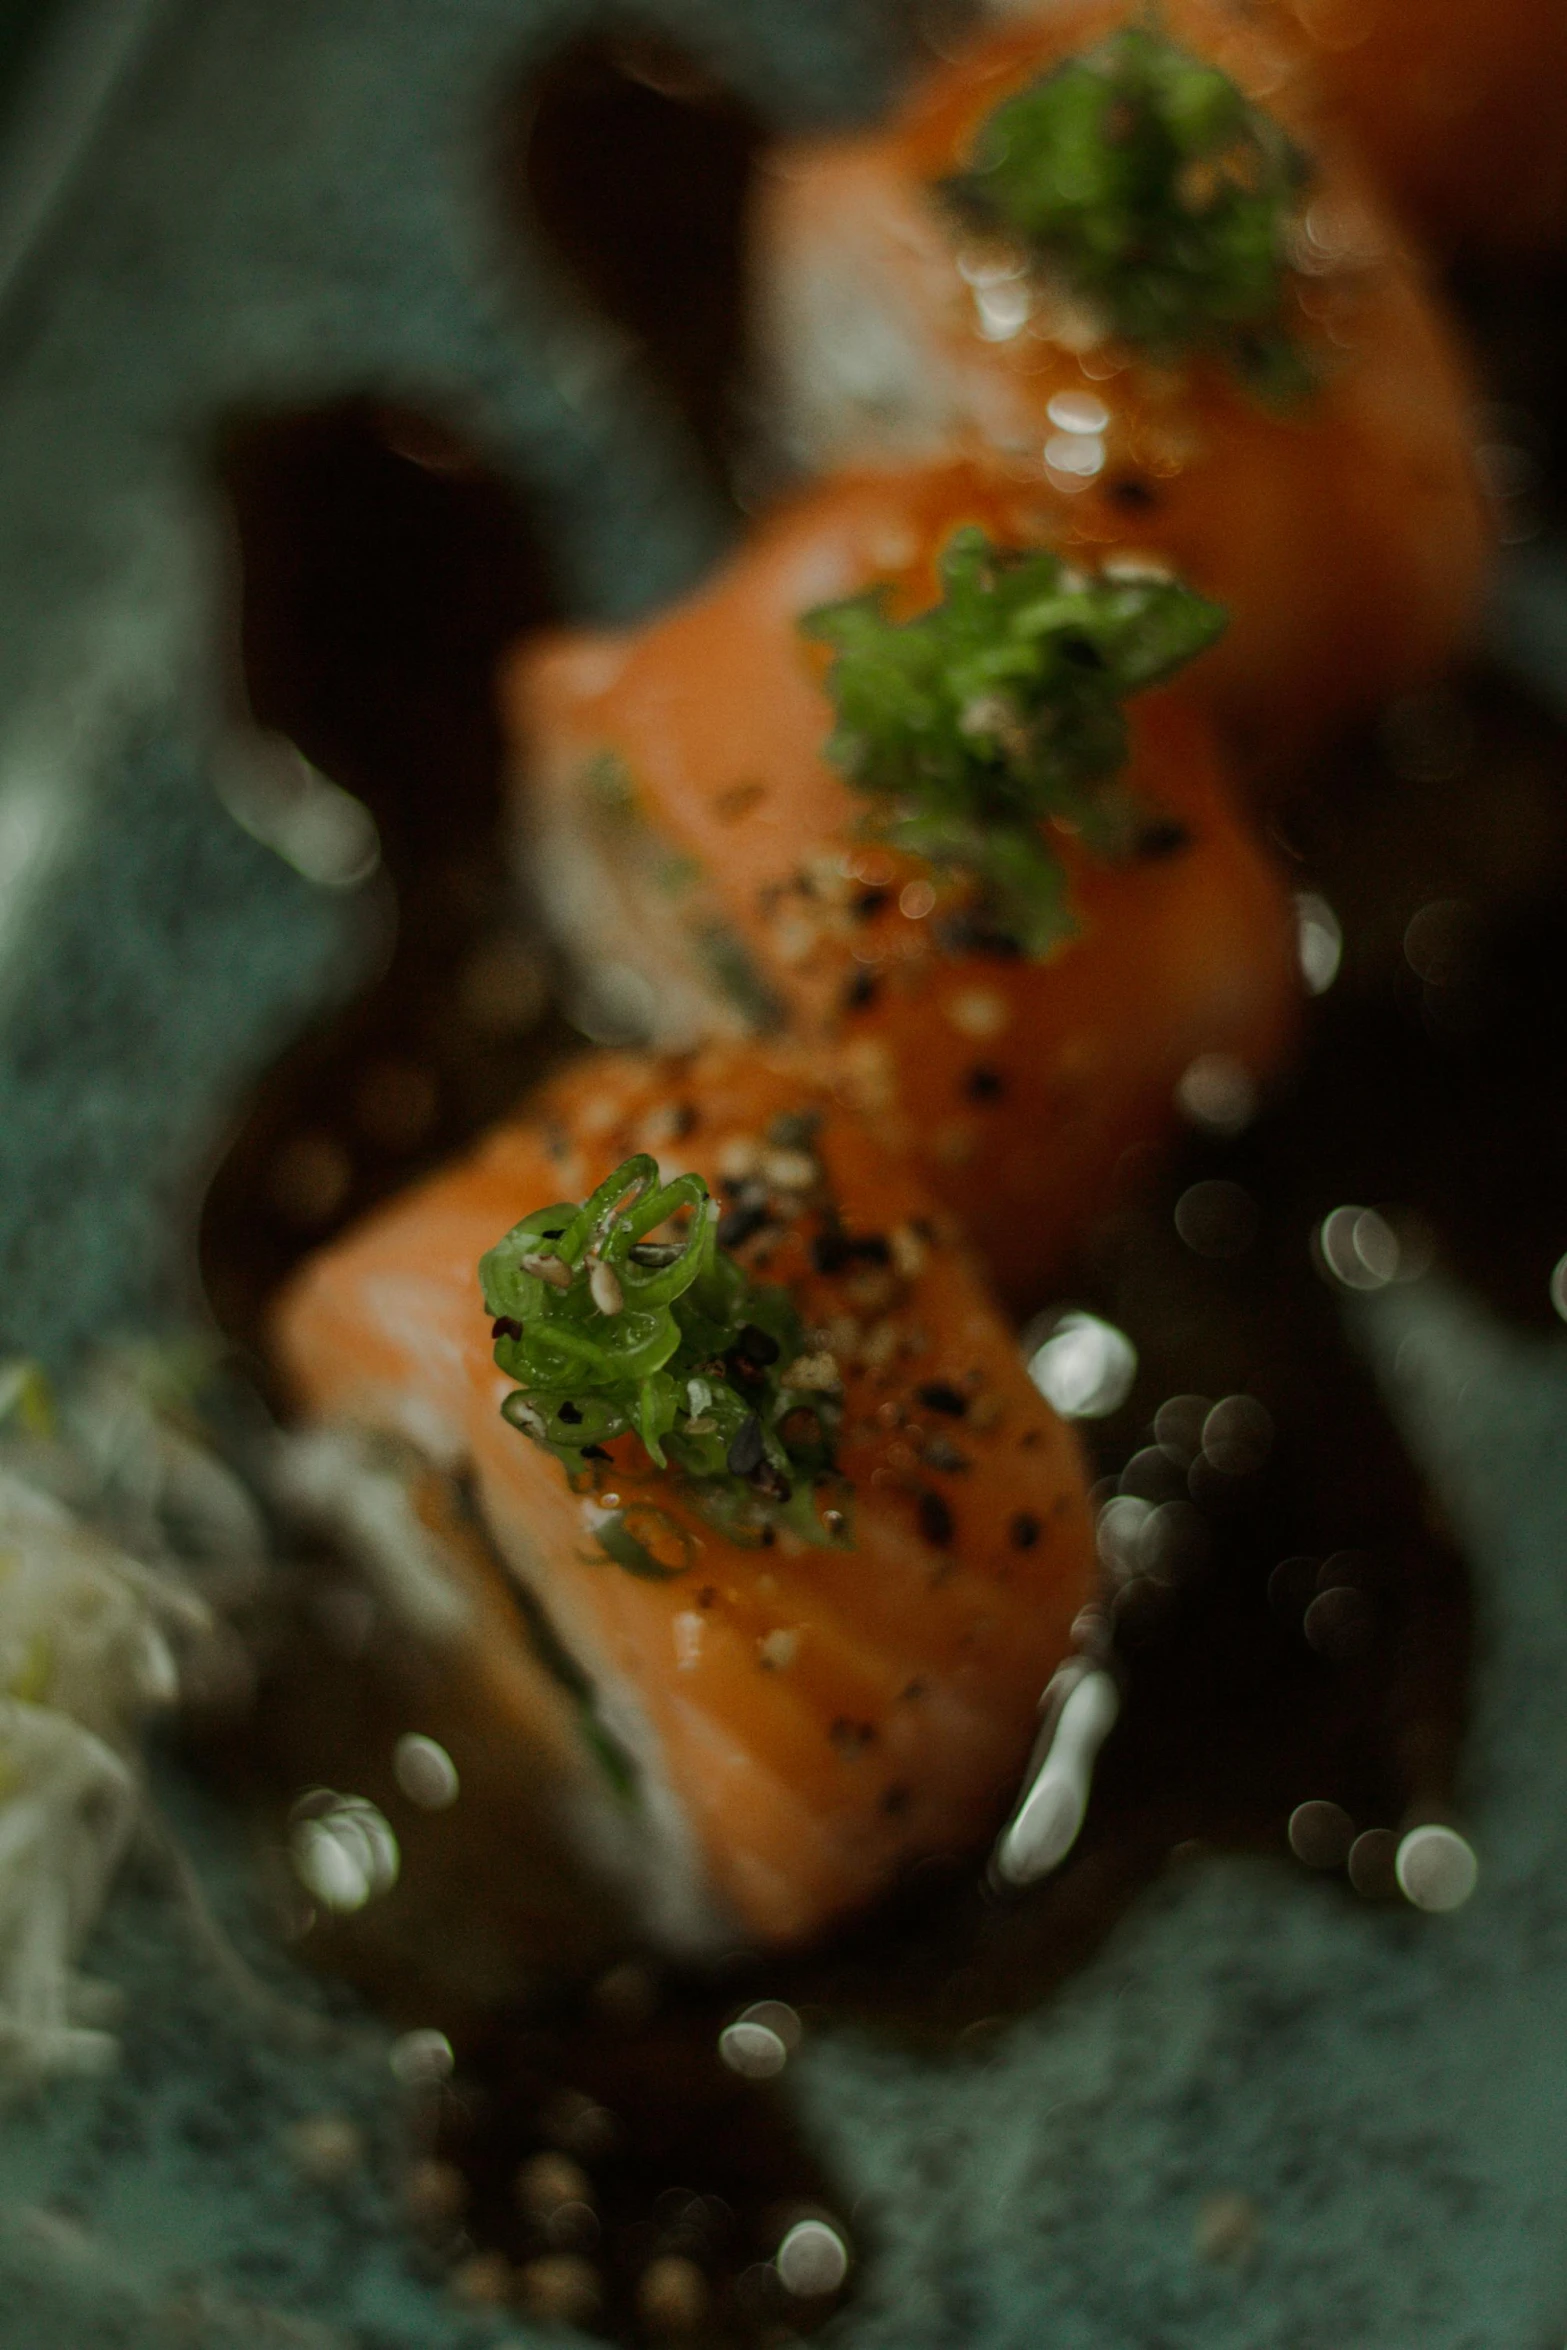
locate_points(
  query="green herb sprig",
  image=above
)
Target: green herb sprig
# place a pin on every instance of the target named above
(972, 723)
(1159, 194)
(610, 1332)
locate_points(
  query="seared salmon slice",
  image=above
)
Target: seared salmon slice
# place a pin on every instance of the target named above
(704, 859)
(1280, 409)
(811, 1697)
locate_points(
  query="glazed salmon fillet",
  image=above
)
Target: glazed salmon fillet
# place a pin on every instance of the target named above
(801, 1721)
(1337, 515)
(687, 834)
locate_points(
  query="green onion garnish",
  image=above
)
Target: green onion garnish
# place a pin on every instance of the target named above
(998, 708)
(1159, 196)
(609, 1331)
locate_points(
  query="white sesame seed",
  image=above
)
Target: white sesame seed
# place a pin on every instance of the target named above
(605, 1290)
(548, 1269)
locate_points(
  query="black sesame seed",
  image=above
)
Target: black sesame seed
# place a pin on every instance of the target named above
(755, 1346)
(896, 1801)
(871, 901)
(655, 1254)
(570, 1414)
(833, 1249)
(984, 1085)
(851, 1737)
(935, 1519)
(1023, 1532)
(830, 1250)
(1163, 838)
(740, 1222)
(937, 1396)
(794, 1130)
(770, 1482)
(504, 1327)
(746, 1448)
(861, 992)
(1133, 494)
(941, 1453)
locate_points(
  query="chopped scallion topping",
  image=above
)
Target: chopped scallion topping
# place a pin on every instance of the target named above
(1160, 196)
(610, 1332)
(972, 723)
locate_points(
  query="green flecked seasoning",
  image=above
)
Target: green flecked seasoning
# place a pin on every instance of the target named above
(608, 1332)
(1147, 183)
(972, 723)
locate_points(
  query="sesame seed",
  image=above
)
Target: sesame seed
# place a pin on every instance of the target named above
(605, 1290)
(978, 1012)
(935, 1520)
(548, 1269)
(788, 1170)
(746, 1447)
(937, 1396)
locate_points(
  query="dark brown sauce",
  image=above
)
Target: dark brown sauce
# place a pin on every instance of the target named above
(634, 164)
(379, 588)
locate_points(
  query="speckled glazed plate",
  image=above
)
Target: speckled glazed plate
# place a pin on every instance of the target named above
(1241, 2105)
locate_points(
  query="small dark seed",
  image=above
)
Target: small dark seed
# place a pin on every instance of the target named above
(770, 1482)
(852, 1737)
(746, 1448)
(794, 1130)
(935, 1520)
(755, 1346)
(708, 1595)
(937, 1396)
(896, 1801)
(504, 1327)
(655, 1254)
(1163, 838)
(861, 992)
(1024, 1530)
(942, 1453)
(571, 1415)
(830, 1250)
(871, 901)
(1131, 493)
(738, 1223)
(833, 1249)
(984, 1085)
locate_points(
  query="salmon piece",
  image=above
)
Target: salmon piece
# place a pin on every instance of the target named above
(1456, 108)
(687, 836)
(803, 1723)
(1343, 527)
